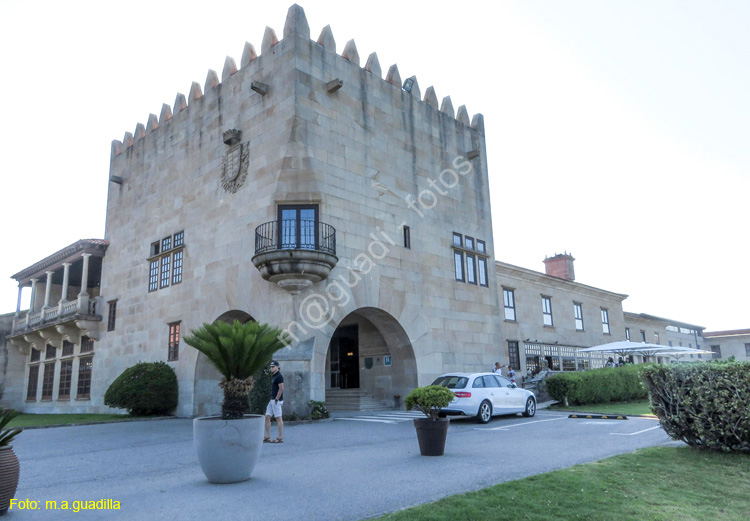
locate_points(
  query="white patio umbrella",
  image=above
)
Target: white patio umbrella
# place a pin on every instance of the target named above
(625, 347)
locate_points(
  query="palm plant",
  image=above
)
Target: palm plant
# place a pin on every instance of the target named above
(7, 435)
(238, 351)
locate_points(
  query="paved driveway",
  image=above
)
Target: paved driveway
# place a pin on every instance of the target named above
(346, 469)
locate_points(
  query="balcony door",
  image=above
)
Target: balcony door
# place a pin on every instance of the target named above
(298, 226)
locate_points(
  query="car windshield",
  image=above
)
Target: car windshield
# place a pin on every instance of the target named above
(452, 382)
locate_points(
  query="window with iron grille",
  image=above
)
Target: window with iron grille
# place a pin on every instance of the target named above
(84, 377)
(67, 348)
(51, 352)
(578, 312)
(87, 344)
(33, 382)
(605, 322)
(547, 311)
(66, 376)
(35, 355)
(112, 315)
(165, 271)
(174, 341)
(509, 301)
(513, 355)
(48, 381)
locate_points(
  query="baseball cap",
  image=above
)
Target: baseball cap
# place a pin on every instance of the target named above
(274, 362)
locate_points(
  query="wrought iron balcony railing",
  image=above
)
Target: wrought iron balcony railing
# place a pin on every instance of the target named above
(293, 234)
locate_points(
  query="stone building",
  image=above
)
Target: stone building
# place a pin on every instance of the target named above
(300, 189)
(725, 344)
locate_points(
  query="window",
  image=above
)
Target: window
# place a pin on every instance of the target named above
(87, 344)
(627, 334)
(174, 341)
(716, 351)
(469, 243)
(66, 375)
(33, 382)
(165, 262)
(656, 338)
(297, 226)
(84, 377)
(458, 261)
(50, 353)
(387, 360)
(112, 316)
(513, 355)
(547, 311)
(48, 381)
(165, 270)
(482, 268)
(643, 336)
(605, 322)
(481, 246)
(457, 239)
(67, 348)
(166, 244)
(407, 237)
(578, 312)
(179, 239)
(153, 275)
(747, 350)
(154, 248)
(35, 355)
(177, 268)
(471, 275)
(509, 301)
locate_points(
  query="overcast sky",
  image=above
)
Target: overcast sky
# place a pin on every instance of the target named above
(616, 131)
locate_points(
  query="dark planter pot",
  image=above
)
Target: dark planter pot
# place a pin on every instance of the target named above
(431, 435)
(9, 471)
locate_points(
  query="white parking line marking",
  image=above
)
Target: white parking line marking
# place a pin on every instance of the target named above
(506, 427)
(634, 433)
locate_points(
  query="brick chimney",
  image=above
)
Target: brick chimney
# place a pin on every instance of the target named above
(560, 266)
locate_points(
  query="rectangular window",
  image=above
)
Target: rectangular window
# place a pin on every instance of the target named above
(153, 275)
(48, 381)
(179, 239)
(33, 382)
(407, 237)
(513, 355)
(605, 322)
(627, 334)
(481, 246)
(482, 266)
(35, 355)
(469, 243)
(716, 351)
(547, 311)
(87, 344)
(656, 338)
(112, 315)
(84, 377)
(297, 226)
(165, 271)
(66, 375)
(177, 267)
(458, 240)
(509, 301)
(471, 270)
(643, 336)
(154, 249)
(458, 262)
(578, 311)
(166, 244)
(747, 350)
(174, 341)
(50, 353)
(67, 348)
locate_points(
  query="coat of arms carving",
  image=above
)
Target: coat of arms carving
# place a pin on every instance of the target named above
(234, 167)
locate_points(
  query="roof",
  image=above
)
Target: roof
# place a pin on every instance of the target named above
(730, 332)
(665, 320)
(96, 247)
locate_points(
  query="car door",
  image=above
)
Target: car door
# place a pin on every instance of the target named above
(495, 394)
(513, 397)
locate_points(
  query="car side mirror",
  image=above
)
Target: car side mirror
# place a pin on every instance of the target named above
(513, 386)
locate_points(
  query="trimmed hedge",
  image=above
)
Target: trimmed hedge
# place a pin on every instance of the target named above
(618, 384)
(145, 389)
(705, 405)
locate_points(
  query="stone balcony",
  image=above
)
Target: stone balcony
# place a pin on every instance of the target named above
(295, 254)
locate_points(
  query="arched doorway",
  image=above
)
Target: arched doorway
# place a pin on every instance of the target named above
(207, 395)
(369, 357)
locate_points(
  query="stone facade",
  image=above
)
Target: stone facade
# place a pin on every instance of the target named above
(726, 344)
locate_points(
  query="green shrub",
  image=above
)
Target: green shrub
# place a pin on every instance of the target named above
(618, 384)
(319, 410)
(429, 400)
(7, 435)
(260, 394)
(146, 388)
(704, 405)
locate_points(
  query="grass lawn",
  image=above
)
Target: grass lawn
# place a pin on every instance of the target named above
(37, 420)
(626, 408)
(656, 484)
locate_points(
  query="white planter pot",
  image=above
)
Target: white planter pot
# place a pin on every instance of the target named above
(228, 449)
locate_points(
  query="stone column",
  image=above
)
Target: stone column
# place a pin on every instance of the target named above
(83, 296)
(18, 304)
(33, 295)
(66, 277)
(48, 289)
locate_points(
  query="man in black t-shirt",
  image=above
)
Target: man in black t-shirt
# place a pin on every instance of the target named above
(274, 405)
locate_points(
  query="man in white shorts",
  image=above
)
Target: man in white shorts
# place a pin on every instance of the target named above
(274, 405)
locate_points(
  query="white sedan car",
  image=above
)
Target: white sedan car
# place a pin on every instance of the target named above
(484, 395)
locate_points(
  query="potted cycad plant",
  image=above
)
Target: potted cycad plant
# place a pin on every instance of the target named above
(228, 446)
(433, 430)
(9, 468)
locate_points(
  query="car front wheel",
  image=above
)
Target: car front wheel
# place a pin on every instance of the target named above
(485, 412)
(530, 408)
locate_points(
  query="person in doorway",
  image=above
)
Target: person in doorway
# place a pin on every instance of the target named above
(498, 368)
(274, 405)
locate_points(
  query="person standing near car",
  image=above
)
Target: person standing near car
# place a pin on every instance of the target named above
(511, 375)
(498, 368)
(274, 405)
